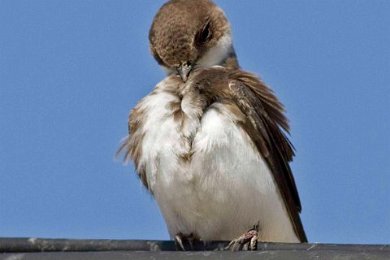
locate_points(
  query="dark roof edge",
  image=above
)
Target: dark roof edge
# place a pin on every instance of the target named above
(14, 245)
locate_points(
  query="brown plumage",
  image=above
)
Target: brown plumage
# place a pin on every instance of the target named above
(171, 136)
(182, 31)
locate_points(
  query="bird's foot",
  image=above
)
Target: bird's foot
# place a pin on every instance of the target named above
(247, 241)
(185, 242)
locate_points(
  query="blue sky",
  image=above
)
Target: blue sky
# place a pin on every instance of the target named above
(70, 71)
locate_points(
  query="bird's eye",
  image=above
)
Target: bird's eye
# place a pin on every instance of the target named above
(204, 35)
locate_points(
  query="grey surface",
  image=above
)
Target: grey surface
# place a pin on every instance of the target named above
(35, 248)
(268, 254)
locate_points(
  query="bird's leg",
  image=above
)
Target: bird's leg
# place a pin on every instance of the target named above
(182, 240)
(247, 241)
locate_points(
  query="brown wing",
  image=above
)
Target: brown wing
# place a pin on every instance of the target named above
(131, 146)
(265, 127)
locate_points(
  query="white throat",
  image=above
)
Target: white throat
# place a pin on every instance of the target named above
(218, 53)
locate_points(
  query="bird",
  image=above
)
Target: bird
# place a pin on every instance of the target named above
(210, 142)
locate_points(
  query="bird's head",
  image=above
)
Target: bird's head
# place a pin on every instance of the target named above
(190, 33)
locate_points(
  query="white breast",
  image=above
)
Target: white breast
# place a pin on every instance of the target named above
(224, 189)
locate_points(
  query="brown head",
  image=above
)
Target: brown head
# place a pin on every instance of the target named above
(191, 33)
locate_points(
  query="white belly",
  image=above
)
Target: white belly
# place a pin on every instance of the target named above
(224, 190)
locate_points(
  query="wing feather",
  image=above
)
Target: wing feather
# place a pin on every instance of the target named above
(265, 123)
(268, 128)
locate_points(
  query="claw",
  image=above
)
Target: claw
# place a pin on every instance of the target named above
(181, 239)
(247, 241)
(179, 242)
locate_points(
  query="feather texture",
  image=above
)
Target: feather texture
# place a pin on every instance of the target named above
(214, 153)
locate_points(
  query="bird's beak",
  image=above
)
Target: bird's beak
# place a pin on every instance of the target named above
(184, 70)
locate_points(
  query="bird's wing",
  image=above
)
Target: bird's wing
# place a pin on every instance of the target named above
(266, 125)
(131, 146)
